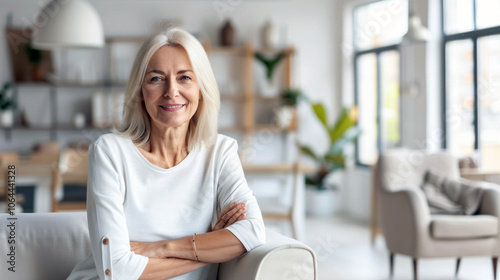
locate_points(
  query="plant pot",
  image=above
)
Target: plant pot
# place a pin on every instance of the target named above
(7, 118)
(321, 203)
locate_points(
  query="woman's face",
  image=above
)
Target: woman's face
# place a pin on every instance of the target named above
(170, 89)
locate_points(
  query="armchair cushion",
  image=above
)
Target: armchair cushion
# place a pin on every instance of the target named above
(463, 227)
(451, 196)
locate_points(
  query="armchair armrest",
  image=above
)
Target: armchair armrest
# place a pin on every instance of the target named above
(405, 219)
(280, 257)
(490, 203)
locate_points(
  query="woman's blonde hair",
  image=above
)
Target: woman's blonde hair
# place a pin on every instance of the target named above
(203, 125)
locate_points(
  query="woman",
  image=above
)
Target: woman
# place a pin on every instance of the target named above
(157, 185)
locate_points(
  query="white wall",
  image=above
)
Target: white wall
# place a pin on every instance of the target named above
(312, 27)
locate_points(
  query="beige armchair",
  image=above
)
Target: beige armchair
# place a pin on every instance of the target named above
(407, 224)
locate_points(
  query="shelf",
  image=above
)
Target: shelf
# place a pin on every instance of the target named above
(231, 129)
(58, 127)
(270, 128)
(277, 168)
(71, 85)
(268, 98)
(226, 50)
(232, 97)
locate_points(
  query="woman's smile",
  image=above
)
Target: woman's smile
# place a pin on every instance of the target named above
(172, 107)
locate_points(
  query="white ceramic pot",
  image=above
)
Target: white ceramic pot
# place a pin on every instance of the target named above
(321, 203)
(270, 35)
(283, 116)
(79, 120)
(7, 118)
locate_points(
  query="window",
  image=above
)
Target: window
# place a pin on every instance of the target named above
(378, 29)
(471, 71)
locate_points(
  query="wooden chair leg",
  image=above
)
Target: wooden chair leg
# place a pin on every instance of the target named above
(457, 267)
(415, 275)
(391, 264)
(495, 260)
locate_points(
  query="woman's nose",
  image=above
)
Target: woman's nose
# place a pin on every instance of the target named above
(171, 89)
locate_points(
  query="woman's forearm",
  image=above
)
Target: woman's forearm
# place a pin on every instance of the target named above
(212, 247)
(168, 268)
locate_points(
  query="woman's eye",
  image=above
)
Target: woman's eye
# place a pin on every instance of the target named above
(155, 79)
(185, 78)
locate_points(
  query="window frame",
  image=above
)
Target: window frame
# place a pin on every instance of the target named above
(378, 51)
(473, 35)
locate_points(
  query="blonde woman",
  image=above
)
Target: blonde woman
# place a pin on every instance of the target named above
(167, 196)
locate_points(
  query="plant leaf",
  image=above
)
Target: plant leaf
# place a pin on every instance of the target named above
(349, 136)
(338, 160)
(320, 112)
(307, 151)
(343, 124)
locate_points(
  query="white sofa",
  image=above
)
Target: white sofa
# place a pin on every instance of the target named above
(48, 245)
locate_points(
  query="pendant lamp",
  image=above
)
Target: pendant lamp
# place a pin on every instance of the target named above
(417, 33)
(68, 24)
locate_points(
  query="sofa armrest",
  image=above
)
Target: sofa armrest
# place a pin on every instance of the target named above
(280, 257)
(405, 219)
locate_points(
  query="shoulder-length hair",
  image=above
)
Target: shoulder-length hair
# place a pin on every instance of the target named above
(203, 125)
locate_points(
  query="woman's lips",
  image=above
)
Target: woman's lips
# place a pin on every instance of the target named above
(172, 108)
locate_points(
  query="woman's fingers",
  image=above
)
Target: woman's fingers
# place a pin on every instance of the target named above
(233, 214)
(230, 215)
(238, 216)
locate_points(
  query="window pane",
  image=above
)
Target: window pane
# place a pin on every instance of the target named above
(389, 80)
(460, 97)
(488, 13)
(459, 16)
(489, 109)
(381, 23)
(367, 102)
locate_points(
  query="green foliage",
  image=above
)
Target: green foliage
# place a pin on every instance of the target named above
(292, 96)
(343, 132)
(5, 102)
(270, 64)
(34, 55)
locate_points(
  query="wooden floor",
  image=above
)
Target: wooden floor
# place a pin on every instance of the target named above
(344, 252)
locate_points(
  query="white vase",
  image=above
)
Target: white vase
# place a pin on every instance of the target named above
(270, 35)
(283, 116)
(7, 118)
(79, 120)
(321, 203)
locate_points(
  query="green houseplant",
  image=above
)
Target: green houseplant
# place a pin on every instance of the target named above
(321, 196)
(6, 107)
(35, 59)
(341, 133)
(286, 115)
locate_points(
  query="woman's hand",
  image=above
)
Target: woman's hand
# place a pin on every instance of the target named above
(148, 249)
(233, 213)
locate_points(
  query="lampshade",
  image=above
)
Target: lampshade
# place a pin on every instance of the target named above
(72, 23)
(417, 33)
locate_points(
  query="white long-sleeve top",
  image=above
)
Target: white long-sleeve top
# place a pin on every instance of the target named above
(130, 199)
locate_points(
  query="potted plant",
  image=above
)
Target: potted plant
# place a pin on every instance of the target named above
(35, 58)
(6, 107)
(286, 115)
(320, 192)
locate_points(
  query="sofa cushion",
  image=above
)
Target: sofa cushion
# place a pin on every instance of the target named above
(463, 227)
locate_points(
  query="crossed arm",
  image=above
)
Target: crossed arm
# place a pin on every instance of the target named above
(170, 258)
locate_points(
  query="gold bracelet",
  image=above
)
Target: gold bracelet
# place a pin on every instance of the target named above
(194, 246)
